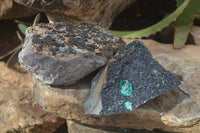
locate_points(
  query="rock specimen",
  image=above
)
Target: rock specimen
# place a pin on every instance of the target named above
(95, 11)
(195, 32)
(129, 80)
(62, 53)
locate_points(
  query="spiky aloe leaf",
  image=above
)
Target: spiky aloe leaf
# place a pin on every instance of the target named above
(154, 28)
(181, 34)
(184, 23)
(179, 2)
(22, 22)
(192, 10)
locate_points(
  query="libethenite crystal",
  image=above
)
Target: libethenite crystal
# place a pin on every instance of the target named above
(126, 88)
(129, 80)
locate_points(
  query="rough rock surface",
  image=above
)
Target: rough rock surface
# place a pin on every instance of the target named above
(63, 53)
(18, 110)
(95, 11)
(129, 80)
(195, 32)
(175, 111)
(12, 10)
(184, 63)
(76, 127)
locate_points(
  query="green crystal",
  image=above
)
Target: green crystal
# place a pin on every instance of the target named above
(126, 88)
(128, 106)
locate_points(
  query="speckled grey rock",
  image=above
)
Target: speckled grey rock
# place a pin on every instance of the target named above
(63, 53)
(129, 80)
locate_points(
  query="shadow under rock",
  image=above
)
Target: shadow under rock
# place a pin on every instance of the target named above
(62, 129)
(121, 130)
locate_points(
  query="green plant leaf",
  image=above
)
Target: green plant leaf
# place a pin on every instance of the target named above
(75, 20)
(154, 28)
(181, 34)
(179, 2)
(22, 22)
(184, 22)
(22, 25)
(22, 28)
(192, 9)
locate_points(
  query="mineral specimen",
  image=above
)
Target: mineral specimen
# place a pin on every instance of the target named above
(129, 80)
(62, 53)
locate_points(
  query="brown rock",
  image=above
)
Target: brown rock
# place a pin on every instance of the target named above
(160, 113)
(98, 11)
(195, 32)
(74, 127)
(174, 111)
(77, 127)
(18, 110)
(12, 10)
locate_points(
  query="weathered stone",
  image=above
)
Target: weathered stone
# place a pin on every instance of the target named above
(129, 80)
(174, 111)
(18, 110)
(63, 53)
(161, 113)
(12, 10)
(95, 11)
(195, 32)
(76, 127)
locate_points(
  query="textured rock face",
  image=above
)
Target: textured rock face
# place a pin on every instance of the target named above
(129, 80)
(63, 53)
(98, 11)
(12, 10)
(184, 63)
(18, 110)
(174, 111)
(76, 127)
(195, 32)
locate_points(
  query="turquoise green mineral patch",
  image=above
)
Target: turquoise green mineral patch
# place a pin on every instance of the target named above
(126, 88)
(155, 72)
(128, 106)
